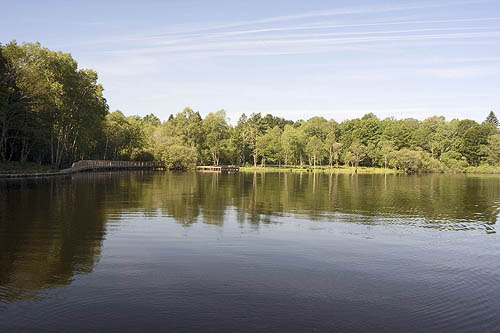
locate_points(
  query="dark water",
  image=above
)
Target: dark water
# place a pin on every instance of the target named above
(250, 252)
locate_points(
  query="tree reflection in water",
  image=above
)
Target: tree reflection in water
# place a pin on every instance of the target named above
(53, 229)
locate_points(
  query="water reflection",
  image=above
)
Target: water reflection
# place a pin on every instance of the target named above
(53, 229)
(50, 230)
(454, 202)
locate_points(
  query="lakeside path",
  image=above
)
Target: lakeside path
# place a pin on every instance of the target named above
(88, 165)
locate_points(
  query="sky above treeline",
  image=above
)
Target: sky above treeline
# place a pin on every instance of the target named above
(291, 58)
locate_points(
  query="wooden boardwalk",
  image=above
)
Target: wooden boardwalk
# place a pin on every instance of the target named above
(98, 165)
(93, 165)
(218, 168)
(110, 165)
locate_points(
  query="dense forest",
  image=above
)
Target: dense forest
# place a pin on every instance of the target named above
(52, 112)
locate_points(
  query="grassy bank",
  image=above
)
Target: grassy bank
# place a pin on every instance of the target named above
(482, 169)
(327, 169)
(17, 167)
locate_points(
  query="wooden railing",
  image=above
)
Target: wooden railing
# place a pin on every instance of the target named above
(218, 168)
(93, 165)
(98, 164)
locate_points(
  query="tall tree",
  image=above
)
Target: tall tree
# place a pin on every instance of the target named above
(492, 119)
(269, 145)
(358, 152)
(333, 147)
(293, 144)
(492, 150)
(385, 148)
(253, 129)
(216, 132)
(315, 150)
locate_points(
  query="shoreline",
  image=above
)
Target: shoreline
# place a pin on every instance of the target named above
(27, 172)
(480, 170)
(84, 165)
(364, 170)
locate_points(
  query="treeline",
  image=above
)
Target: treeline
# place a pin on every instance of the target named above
(52, 112)
(409, 145)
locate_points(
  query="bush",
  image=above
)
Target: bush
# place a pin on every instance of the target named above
(142, 155)
(484, 168)
(430, 164)
(454, 161)
(411, 161)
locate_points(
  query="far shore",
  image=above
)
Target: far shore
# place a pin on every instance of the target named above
(483, 169)
(340, 169)
(16, 169)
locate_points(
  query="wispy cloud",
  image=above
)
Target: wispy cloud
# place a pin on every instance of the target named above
(301, 33)
(214, 37)
(305, 42)
(175, 38)
(328, 12)
(207, 30)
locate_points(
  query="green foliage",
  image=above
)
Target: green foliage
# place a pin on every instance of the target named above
(358, 153)
(316, 127)
(125, 137)
(412, 161)
(408, 161)
(169, 148)
(252, 129)
(333, 147)
(216, 133)
(492, 150)
(315, 150)
(269, 146)
(52, 112)
(453, 161)
(293, 144)
(384, 150)
(471, 142)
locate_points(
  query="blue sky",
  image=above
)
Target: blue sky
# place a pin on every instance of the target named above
(296, 59)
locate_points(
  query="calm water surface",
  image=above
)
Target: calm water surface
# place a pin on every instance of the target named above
(142, 251)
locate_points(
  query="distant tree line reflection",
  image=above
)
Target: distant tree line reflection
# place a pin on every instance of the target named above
(53, 229)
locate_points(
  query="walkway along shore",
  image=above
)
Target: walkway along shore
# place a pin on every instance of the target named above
(92, 165)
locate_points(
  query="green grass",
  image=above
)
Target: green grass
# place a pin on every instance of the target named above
(17, 167)
(484, 169)
(326, 169)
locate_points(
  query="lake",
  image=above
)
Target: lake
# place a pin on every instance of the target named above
(185, 252)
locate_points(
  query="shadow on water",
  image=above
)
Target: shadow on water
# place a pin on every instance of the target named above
(50, 230)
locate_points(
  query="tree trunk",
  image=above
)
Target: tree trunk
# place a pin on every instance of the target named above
(214, 158)
(3, 142)
(51, 147)
(106, 147)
